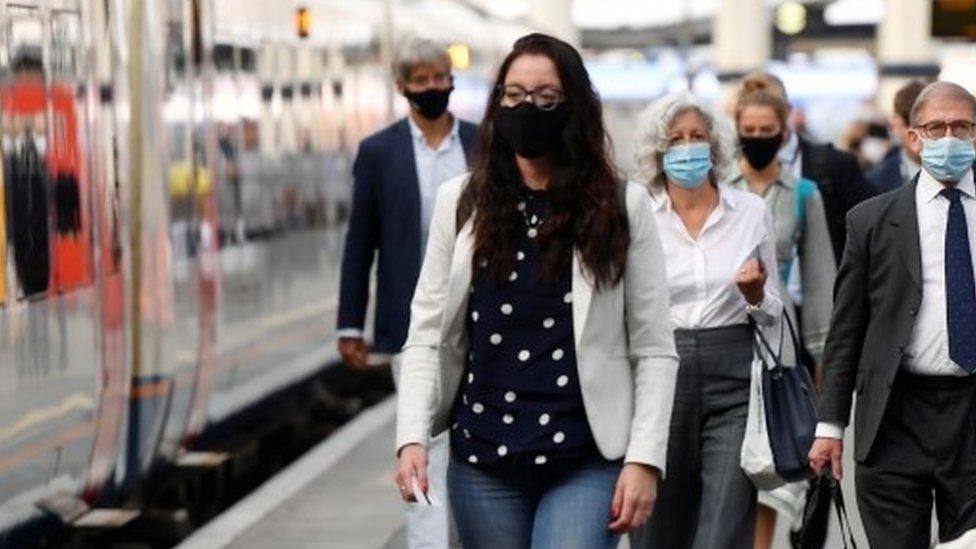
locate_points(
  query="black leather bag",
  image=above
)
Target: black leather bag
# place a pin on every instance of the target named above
(825, 492)
(789, 403)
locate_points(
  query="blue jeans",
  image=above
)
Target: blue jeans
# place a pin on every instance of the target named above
(562, 506)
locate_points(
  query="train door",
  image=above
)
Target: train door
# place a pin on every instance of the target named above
(138, 41)
(175, 270)
(110, 234)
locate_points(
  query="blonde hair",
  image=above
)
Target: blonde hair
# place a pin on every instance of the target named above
(763, 89)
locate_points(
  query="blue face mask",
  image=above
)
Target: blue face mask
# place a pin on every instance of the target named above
(948, 158)
(687, 165)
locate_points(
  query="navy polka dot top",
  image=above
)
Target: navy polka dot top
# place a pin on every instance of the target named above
(520, 402)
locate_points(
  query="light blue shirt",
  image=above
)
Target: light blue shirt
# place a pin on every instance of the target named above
(434, 167)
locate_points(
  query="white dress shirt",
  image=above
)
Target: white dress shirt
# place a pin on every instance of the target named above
(434, 167)
(927, 352)
(702, 271)
(907, 166)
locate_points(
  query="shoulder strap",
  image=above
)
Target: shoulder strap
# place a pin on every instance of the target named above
(837, 495)
(804, 190)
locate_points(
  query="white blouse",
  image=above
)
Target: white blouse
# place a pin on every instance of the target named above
(702, 272)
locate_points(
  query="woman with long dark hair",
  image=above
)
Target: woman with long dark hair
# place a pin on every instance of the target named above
(540, 333)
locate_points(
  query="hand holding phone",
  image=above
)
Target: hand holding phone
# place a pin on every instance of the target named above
(751, 277)
(419, 494)
(426, 499)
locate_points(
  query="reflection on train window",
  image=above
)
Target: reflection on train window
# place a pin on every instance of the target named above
(43, 166)
(25, 146)
(27, 191)
(3, 242)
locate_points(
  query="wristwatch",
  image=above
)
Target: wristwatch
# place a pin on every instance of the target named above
(750, 308)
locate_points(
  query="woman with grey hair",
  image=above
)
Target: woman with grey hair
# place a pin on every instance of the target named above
(719, 253)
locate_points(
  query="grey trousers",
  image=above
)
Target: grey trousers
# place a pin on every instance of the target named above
(706, 501)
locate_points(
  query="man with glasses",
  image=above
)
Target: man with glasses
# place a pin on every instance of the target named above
(396, 175)
(903, 336)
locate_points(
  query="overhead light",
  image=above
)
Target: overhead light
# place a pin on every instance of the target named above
(854, 12)
(460, 56)
(507, 9)
(791, 18)
(303, 22)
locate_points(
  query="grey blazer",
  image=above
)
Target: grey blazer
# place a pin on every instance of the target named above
(876, 299)
(625, 348)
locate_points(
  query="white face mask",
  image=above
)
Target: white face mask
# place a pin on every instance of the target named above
(874, 149)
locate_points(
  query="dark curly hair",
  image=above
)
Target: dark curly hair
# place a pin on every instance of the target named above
(585, 212)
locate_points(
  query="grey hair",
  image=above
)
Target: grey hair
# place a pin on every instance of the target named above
(413, 52)
(653, 137)
(940, 91)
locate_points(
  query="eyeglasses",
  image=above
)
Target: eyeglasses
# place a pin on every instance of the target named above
(546, 98)
(963, 129)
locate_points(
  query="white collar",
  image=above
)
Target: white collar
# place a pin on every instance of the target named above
(788, 153)
(418, 134)
(930, 187)
(661, 200)
(785, 178)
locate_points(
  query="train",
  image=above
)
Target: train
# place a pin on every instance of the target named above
(176, 183)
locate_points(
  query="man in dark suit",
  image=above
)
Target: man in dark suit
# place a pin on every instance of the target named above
(396, 175)
(901, 164)
(903, 336)
(841, 183)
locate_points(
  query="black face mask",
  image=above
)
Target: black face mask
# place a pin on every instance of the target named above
(529, 130)
(760, 151)
(431, 103)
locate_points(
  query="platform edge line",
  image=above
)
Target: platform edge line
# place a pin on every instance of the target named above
(232, 523)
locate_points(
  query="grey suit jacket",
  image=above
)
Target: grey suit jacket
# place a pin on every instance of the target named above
(876, 300)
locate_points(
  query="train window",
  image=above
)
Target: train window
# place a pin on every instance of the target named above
(248, 60)
(189, 175)
(44, 176)
(223, 57)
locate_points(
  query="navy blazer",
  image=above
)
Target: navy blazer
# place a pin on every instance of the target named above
(386, 218)
(886, 175)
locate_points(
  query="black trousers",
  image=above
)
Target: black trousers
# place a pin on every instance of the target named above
(925, 452)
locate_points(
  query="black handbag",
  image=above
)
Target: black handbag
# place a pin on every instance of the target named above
(789, 404)
(824, 491)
